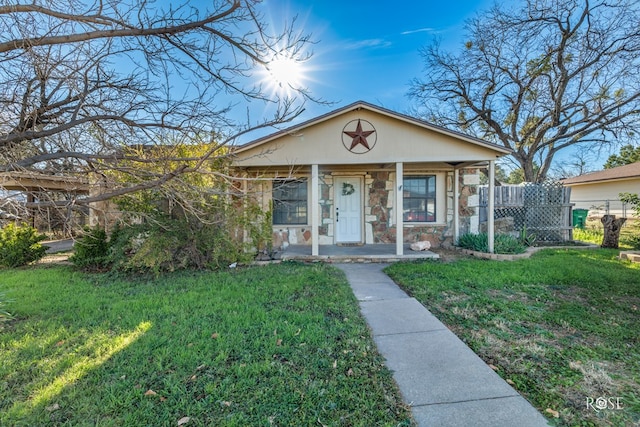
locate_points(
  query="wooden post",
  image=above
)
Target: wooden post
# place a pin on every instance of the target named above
(315, 210)
(31, 210)
(612, 226)
(399, 209)
(491, 206)
(456, 205)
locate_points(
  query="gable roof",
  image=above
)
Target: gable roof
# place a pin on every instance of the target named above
(359, 105)
(621, 172)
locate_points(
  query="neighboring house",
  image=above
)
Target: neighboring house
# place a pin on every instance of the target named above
(24, 193)
(363, 174)
(599, 191)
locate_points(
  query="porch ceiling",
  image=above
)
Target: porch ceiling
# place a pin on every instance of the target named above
(287, 170)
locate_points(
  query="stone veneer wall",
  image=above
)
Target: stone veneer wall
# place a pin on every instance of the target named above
(284, 235)
(469, 211)
(379, 207)
(379, 213)
(326, 210)
(380, 216)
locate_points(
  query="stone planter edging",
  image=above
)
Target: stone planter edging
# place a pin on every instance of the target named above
(514, 257)
(499, 257)
(633, 256)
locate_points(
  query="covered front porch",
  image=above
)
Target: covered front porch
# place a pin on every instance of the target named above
(365, 175)
(445, 217)
(353, 253)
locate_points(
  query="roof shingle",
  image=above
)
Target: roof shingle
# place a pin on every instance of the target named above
(621, 172)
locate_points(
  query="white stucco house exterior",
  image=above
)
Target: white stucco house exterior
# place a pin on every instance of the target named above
(599, 191)
(364, 175)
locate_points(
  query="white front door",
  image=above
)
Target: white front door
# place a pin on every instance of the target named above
(348, 209)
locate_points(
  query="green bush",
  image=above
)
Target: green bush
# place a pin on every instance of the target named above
(20, 245)
(633, 241)
(526, 238)
(507, 244)
(633, 200)
(91, 250)
(503, 243)
(164, 244)
(174, 244)
(588, 234)
(474, 242)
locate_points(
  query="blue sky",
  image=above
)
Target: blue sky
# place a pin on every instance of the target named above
(369, 50)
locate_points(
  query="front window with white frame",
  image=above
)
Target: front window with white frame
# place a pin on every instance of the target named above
(419, 198)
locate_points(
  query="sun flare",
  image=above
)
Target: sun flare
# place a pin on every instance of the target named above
(287, 71)
(285, 75)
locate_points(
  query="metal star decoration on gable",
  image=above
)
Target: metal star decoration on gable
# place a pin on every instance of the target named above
(359, 137)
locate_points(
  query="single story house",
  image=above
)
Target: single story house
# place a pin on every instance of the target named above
(599, 191)
(364, 175)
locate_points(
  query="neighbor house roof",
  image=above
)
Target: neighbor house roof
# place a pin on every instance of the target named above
(621, 172)
(36, 181)
(380, 110)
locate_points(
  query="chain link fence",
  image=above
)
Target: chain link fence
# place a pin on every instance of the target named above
(600, 207)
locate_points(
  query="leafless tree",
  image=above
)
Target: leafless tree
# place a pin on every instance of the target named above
(580, 163)
(539, 77)
(82, 80)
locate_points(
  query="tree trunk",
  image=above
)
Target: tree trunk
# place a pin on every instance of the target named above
(527, 171)
(612, 228)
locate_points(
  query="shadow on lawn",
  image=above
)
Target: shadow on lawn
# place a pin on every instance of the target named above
(66, 357)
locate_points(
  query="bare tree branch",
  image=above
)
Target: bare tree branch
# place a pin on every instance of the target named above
(84, 85)
(540, 79)
(125, 29)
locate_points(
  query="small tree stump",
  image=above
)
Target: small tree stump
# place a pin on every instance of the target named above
(612, 226)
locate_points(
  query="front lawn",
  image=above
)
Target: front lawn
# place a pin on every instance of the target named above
(562, 327)
(277, 345)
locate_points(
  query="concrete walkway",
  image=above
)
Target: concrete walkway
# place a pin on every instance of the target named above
(445, 383)
(55, 246)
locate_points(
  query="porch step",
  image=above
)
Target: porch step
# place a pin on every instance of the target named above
(347, 259)
(377, 253)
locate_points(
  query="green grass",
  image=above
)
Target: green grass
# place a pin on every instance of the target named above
(594, 232)
(275, 345)
(561, 327)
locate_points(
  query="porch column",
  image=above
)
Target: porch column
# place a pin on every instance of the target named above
(456, 205)
(490, 205)
(315, 206)
(245, 204)
(399, 210)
